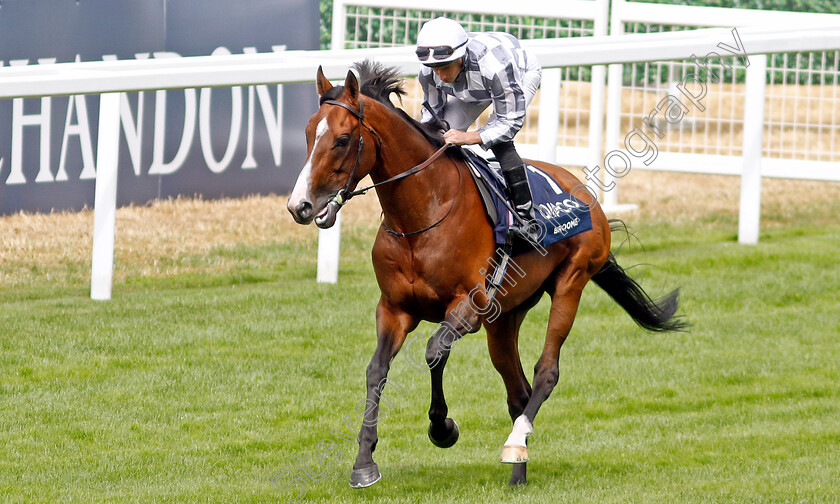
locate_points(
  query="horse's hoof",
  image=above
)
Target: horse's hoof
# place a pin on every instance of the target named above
(512, 454)
(516, 481)
(519, 474)
(451, 438)
(365, 477)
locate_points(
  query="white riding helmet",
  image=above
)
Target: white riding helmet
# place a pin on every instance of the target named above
(441, 41)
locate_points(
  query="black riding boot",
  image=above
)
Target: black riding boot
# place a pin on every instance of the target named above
(519, 191)
(516, 179)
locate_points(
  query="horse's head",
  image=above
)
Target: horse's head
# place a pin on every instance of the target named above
(336, 158)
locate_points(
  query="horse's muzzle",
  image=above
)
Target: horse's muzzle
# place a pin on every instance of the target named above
(326, 219)
(303, 212)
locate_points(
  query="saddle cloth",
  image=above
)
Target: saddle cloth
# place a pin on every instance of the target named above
(559, 214)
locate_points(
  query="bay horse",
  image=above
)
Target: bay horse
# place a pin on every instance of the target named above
(431, 255)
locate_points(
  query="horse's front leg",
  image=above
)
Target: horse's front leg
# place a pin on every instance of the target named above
(392, 326)
(460, 320)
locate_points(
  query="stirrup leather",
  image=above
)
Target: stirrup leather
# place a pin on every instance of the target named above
(520, 193)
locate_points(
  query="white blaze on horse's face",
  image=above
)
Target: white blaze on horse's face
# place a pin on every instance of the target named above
(301, 194)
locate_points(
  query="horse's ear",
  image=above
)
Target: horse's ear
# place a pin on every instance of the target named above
(351, 85)
(322, 82)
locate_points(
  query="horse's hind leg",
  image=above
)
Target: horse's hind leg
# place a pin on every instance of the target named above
(392, 326)
(502, 341)
(564, 304)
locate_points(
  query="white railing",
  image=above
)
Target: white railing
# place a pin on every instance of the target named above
(109, 78)
(693, 148)
(699, 145)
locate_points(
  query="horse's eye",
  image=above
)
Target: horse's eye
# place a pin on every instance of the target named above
(342, 141)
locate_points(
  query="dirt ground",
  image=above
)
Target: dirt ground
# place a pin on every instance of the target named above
(149, 237)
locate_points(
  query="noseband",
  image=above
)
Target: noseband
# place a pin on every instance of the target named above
(344, 195)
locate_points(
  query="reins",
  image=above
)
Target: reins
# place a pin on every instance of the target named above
(344, 195)
(451, 205)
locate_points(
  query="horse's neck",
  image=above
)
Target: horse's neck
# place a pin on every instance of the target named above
(402, 146)
(414, 202)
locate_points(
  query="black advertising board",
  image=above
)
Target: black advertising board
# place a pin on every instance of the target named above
(210, 142)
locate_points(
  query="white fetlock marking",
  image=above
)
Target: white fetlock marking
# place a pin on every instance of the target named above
(522, 428)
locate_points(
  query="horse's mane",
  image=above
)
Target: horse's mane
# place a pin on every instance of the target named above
(379, 82)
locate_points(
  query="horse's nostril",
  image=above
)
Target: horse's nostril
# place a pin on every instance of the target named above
(304, 209)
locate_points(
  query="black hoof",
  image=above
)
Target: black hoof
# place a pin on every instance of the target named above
(518, 477)
(365, 477)
(448, 437)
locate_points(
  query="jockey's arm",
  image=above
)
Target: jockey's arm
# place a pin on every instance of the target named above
(509, 110)
(456, 137)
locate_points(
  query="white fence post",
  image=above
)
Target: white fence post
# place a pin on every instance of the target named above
(105, 198)
(596, 115)
(614, 86)
(596, 98)
(329, 240)
(339, 24)
(750, 214)
(329, 248)
(549, 125)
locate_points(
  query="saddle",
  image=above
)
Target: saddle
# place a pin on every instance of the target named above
(559, 214)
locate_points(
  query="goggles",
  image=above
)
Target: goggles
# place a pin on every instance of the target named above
(437, 52)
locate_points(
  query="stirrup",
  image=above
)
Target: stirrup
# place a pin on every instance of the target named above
(525, 229)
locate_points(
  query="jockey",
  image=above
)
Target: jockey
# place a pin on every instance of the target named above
(462, 74)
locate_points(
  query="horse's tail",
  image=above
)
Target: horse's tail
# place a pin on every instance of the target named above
(654, 315)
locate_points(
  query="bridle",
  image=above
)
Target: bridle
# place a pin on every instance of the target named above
(345, 194)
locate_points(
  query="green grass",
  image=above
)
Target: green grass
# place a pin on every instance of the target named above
(200, 388)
